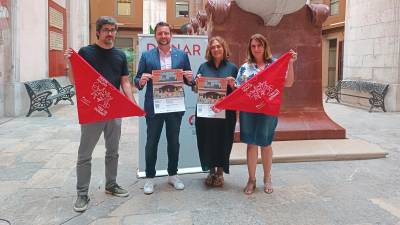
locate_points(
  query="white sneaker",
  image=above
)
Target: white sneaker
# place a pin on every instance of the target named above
(148, 187)
(176, 182)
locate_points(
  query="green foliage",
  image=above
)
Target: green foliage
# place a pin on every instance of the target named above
(130, 57)
(151, 30)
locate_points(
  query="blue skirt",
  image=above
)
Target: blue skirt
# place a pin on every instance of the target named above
(257, 129)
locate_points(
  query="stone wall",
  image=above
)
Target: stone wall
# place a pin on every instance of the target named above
(5, 50)
(372, 40)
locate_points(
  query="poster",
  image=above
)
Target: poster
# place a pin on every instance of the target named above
(210, 90)
(168, 91)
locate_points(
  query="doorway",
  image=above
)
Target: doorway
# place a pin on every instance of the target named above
(332, 62)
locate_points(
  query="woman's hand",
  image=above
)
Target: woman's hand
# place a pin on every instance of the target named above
(231, 81)
(196, 78)
(294, 56)
(215, 109)
(290, 72)
(188, 74)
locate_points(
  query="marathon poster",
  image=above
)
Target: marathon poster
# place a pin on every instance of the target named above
(168, 91)
(210, 90)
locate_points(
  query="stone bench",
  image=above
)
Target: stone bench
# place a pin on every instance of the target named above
(373, 91)
(43, 92)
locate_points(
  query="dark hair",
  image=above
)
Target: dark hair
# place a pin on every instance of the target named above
(162, 24)
(267, 50)
(227, 53)
(103, 20)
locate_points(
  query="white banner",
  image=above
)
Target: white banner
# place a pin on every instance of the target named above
(189, 162)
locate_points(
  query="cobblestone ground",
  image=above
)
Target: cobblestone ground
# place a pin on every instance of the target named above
(37, 175)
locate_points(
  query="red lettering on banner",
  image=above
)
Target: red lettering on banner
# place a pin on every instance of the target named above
(190, 51)
(187, 50)
(196, 49)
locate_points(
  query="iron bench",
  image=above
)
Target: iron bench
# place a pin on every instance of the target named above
(43, 92)
(377, 92)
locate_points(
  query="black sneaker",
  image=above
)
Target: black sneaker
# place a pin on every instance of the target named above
(116, 190)
(81, 204)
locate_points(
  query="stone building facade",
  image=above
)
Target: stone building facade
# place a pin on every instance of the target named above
(372, 45)
(27, 41)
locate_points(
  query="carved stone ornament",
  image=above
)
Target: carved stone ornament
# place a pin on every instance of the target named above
(271, 11)
(320, 13)
(195, 24)
(202, 18)
(218, 10)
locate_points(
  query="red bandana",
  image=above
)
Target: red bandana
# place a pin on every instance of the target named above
(262, 93)
(98, 100)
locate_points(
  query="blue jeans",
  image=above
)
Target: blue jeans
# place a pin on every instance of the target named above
(154, 127)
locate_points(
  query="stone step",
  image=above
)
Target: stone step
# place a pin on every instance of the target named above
(314, 150)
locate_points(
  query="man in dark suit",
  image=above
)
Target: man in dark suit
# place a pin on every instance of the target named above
(162, 57)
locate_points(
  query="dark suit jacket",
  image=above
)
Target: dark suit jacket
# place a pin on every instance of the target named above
(150, 61)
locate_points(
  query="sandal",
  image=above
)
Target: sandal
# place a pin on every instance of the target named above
(250, 187)
(219, 180)
(268, 185)
(210, 179)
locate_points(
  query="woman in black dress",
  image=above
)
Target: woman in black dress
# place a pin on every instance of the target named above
(215, 135)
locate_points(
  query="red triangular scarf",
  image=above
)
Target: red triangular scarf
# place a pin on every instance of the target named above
(98, 100)
(260, 94)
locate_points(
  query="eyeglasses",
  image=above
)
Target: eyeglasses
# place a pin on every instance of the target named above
(108, 31)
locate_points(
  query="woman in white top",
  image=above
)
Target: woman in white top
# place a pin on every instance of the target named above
(256, 129)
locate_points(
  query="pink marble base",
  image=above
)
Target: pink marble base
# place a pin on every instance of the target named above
(302, 114)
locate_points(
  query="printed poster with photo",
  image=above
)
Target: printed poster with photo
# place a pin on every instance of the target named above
(168, 91)
(210, 90)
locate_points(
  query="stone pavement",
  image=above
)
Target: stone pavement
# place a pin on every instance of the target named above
(37, 176)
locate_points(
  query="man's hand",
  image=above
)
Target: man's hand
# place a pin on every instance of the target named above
(188, 74)
(67, 54)
(144, 79)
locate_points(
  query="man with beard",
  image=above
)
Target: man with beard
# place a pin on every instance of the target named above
(112, 64)
(162, 57)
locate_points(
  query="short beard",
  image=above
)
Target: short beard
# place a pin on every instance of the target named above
(161, 44)
(109, 41)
